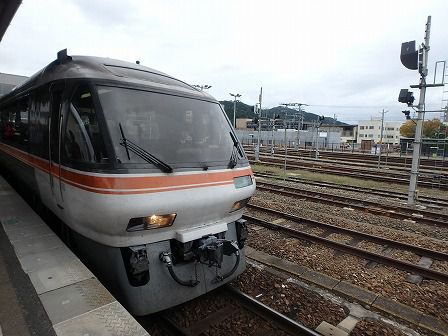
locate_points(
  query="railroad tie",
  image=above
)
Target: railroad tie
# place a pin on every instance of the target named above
(415, 278)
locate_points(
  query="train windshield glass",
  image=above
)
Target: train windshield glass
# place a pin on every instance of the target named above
(177, 130)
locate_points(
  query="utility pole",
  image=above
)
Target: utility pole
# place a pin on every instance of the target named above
(272, 134)
(286, 149)
(334, 130)
(381, 137)
(284, 126)
(319, 121)
(257, 150)
(412, 197)
(300, 127)
(317, 139)
(235, 96)
(300, 124)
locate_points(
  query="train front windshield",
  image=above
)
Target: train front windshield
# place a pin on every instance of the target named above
(179, 131)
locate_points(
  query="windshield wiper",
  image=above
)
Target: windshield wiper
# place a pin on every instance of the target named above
(236, 149)
(145, 155)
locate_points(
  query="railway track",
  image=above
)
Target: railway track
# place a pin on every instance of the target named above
(307, 162)
(238, 301)
(429, 164)
(424, 162)
(367, 164)
(350, 247)
(351, 172)
(426, 200)
(392, 211)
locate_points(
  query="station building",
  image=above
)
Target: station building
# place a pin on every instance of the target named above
(371, 130)
(9, 82)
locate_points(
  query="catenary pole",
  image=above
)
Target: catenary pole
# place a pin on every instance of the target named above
(272, 133)
(317, 139)
(257, 150)
(381, 137)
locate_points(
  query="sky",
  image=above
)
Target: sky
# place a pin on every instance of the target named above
(340, 57)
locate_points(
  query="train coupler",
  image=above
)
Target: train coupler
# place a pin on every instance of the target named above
(136, 262)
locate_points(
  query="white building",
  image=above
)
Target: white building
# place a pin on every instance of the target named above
(9, 82)
(371, 130)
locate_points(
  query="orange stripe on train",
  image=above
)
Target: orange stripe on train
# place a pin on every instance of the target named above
(124, 184)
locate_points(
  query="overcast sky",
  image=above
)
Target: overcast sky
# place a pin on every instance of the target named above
(341, 57)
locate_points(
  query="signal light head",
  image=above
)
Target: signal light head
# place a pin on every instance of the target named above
(406, 113)
(406, 97)
(409, 55)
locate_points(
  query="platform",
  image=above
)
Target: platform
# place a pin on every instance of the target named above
(44, 288)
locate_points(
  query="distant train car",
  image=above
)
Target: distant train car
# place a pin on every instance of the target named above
(145, 171)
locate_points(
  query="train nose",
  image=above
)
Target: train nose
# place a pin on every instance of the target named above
(209, 251)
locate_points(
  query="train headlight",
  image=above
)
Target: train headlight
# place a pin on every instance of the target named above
(239, 204)
(151, 222)
(242, 181)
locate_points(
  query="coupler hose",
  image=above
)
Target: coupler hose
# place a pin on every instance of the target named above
(166, 258)
(236, 251)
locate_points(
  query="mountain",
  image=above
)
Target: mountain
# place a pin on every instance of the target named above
(242, 110)
(247, 111)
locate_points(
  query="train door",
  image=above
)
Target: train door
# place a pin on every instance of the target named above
(55, 125)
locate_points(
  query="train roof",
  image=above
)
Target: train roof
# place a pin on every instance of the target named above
(102, 68)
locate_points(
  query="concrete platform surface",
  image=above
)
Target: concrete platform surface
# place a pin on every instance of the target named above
(44, 288)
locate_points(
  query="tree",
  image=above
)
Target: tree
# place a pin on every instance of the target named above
(408, 129)
(431, 128)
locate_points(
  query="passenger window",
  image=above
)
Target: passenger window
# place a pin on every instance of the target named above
(14, 123)
(82, 137)
(39, 114)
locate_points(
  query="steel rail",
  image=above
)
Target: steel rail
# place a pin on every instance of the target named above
(388, 193)
(358, 234)
(247, 302)
(340, 169)
(392, 211)
(269, 314)
(347, 172)
(425, 162)
(170, 327)
(368, 164)
(379, 258)
(350, 168)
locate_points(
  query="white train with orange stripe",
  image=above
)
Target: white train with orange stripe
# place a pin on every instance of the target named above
(145, 171)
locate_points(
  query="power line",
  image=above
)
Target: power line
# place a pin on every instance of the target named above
(360, 106)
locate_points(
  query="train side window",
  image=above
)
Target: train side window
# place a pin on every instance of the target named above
(83, 141)
(15, 123)
(39, 114)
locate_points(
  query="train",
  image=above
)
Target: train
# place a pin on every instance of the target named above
(144, 170)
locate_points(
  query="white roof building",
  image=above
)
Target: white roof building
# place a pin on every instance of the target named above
(371, 130)
(9, 82)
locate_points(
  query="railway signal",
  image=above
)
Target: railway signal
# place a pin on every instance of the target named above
(406, 97)
(416, 60)
(409, 55)
(407, 114)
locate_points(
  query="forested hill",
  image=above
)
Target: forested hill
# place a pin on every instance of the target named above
(247, 111)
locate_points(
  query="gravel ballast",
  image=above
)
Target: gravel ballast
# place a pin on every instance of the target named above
(304, 306)
(431, 297)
